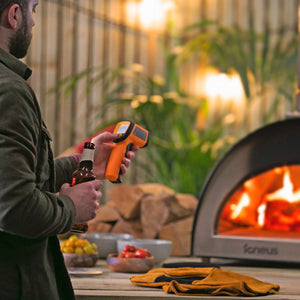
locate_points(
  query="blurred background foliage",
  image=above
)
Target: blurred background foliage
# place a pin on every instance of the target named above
(187, 137)
(265, 62)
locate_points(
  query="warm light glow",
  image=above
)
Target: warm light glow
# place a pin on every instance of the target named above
(286, 192)
(227, 88)
(244, 202)
(224, 93)
(150, 14)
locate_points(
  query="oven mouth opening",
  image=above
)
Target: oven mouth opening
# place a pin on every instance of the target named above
(264, 206)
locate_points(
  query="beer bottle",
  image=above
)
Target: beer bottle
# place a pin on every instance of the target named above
(83, 174)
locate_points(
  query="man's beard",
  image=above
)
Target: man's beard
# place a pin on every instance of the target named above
(19, 43)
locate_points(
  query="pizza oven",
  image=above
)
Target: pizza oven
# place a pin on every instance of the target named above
(249, 207)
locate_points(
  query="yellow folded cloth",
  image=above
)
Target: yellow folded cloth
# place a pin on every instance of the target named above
(204, 282)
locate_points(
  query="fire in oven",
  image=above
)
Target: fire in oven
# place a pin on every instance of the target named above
(249, 207)
(267, 205)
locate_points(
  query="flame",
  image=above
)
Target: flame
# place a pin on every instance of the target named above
(261, 210)
(277, 209)
(287, 191)
(244, 202)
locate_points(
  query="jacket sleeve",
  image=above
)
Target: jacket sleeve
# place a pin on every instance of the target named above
(64, 168)
(25, 209)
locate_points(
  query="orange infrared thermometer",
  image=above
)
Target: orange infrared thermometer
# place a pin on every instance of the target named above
(129, 134)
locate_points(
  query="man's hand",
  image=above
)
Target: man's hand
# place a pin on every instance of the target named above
(103, 146)
(85, 198)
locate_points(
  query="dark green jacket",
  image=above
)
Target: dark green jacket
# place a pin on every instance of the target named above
(31, 214)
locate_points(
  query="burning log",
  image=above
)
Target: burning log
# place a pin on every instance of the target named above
(275, 219)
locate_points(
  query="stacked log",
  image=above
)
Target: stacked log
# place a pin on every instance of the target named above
(151, 211)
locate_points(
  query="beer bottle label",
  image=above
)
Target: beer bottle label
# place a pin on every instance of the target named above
(87, 154)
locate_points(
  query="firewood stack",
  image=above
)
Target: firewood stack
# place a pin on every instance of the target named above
(150, 211)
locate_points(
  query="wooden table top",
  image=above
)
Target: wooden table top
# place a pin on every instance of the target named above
(117, 286)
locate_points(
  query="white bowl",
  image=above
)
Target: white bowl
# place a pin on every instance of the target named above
(106, 242)
(160, 249)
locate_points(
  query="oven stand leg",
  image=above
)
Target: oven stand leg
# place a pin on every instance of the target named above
(205, 259)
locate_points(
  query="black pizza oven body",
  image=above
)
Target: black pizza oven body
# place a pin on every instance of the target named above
(274, 145)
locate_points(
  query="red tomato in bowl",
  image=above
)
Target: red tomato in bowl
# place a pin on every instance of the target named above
(140, 253)
(129, 248)
(128, 254)
(130, 251)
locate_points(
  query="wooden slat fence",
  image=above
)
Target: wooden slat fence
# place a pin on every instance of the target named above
(73, 35)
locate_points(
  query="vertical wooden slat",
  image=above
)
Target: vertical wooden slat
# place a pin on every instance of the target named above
(251, 15)
(122, 33)
(203, 9)
(59, 66)
(220, 13)
(90, 60)
(266, 30)
(281, 14)
(75, 58)
(236, 12)
(137, 41)
(296, 20)
(106, 39)
(152, 55)
(105, 42)
(296, 33)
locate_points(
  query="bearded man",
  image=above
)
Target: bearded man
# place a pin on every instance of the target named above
(36, 200)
